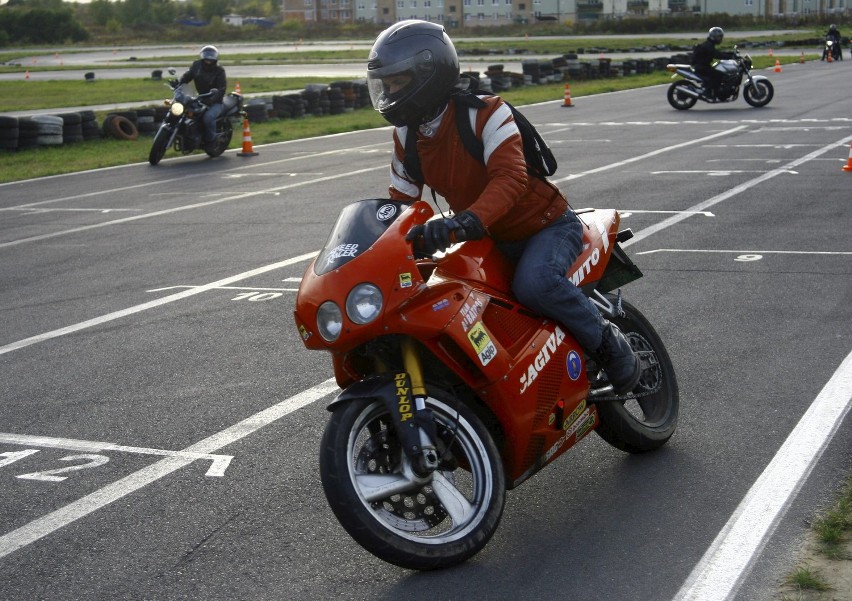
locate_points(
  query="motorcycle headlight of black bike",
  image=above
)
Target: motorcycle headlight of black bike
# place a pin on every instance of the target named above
(364, 303)
(177, 109)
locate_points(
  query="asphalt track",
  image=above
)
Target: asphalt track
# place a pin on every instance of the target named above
(160, 416)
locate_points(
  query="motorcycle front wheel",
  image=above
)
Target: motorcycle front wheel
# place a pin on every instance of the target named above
(645, 420)
(417, 523)
(759, 93)
(224, 132)
(160, 145)
(678, 98)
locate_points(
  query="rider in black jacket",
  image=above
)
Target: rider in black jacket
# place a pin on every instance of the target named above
(208, 75)
(703, 56)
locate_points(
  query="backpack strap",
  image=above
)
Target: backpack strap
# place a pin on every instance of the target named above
(464, 102)
(411, 160)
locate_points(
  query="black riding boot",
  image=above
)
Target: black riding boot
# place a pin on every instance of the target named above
(618, 360)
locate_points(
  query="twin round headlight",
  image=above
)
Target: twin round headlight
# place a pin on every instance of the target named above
(363, 305)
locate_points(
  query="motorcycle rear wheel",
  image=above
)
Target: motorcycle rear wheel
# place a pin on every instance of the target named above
(678, 98)
(433, 523)
(159, 147)
(224, 132)
(644, 423)
(759, 93)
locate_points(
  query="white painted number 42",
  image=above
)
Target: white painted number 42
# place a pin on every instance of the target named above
(52, 475)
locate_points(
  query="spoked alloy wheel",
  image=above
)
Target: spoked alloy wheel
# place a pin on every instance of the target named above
(680, 99)
(759, 93)
(419, 523)
(646, 420)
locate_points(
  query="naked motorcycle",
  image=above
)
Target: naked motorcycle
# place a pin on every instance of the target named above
(684, 93)
(183, 125)
(832, 51)
(452, 392)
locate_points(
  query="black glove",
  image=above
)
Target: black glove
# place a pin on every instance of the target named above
(440, 234)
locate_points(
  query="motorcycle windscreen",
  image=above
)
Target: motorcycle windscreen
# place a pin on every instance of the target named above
(357, 229)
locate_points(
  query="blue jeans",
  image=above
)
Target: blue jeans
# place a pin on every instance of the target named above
(540, 283)
(210, 116)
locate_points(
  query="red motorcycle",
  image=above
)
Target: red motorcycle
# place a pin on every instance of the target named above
(452, 391)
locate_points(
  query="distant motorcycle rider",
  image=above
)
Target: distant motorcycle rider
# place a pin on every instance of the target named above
(208, 75)
(832, 34)
(703, 56)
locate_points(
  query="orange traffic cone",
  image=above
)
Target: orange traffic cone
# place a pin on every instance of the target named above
(248, 150)
(770, 52)
(237, 88)
(567, 101)
(802, 58)
(848, 165)
(27, 74)
(831, 60)
(777, 66)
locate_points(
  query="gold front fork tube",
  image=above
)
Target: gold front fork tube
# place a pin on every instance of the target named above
(411, 361)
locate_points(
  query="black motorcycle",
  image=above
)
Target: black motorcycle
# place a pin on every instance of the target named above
(832, 51)
(183, 125)
(684, 93)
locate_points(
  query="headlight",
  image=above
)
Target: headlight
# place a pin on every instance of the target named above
(364, 303)
(329, 321)
(177, 109)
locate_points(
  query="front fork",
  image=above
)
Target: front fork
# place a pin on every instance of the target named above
(420, 433)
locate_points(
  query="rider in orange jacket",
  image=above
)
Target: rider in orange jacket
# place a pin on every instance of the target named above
(412, 73)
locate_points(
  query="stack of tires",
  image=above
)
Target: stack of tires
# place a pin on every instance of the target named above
(146, 121)
(49, 130)
(8, 133)
(72, 127)
(27, 133)
(256, 110)
(89, 125)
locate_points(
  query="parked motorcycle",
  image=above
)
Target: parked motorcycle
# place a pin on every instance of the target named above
(832, 49)
(452, 391)
(684, 93)
(183, 125)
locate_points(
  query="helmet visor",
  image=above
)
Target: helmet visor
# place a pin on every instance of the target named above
(394, 83)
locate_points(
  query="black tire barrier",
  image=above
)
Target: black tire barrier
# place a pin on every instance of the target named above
(119, 127)
(90, 77)
(157, 74)
(72, 127)
(49, 130)
(8, 133)
(146, 121)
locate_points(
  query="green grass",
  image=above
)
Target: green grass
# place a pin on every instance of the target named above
(805, 578)
(94, 154)
(834, 526)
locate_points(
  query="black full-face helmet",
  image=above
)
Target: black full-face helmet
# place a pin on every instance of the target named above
(420, 60)
(209, 53)
(832, 28)
(716, 34)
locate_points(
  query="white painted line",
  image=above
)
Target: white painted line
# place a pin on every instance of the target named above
(725, 564)
(648, 155)
(45, 525)
(703, 206)
(189, 207)
(624, 212)
(746, 252)
(220, 462)
(151, 304)
(226, 288)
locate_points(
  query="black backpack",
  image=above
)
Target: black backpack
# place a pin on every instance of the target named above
(539, 158)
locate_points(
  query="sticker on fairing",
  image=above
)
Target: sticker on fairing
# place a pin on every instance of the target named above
(574, 365)
(482, 343)
(405, 280)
